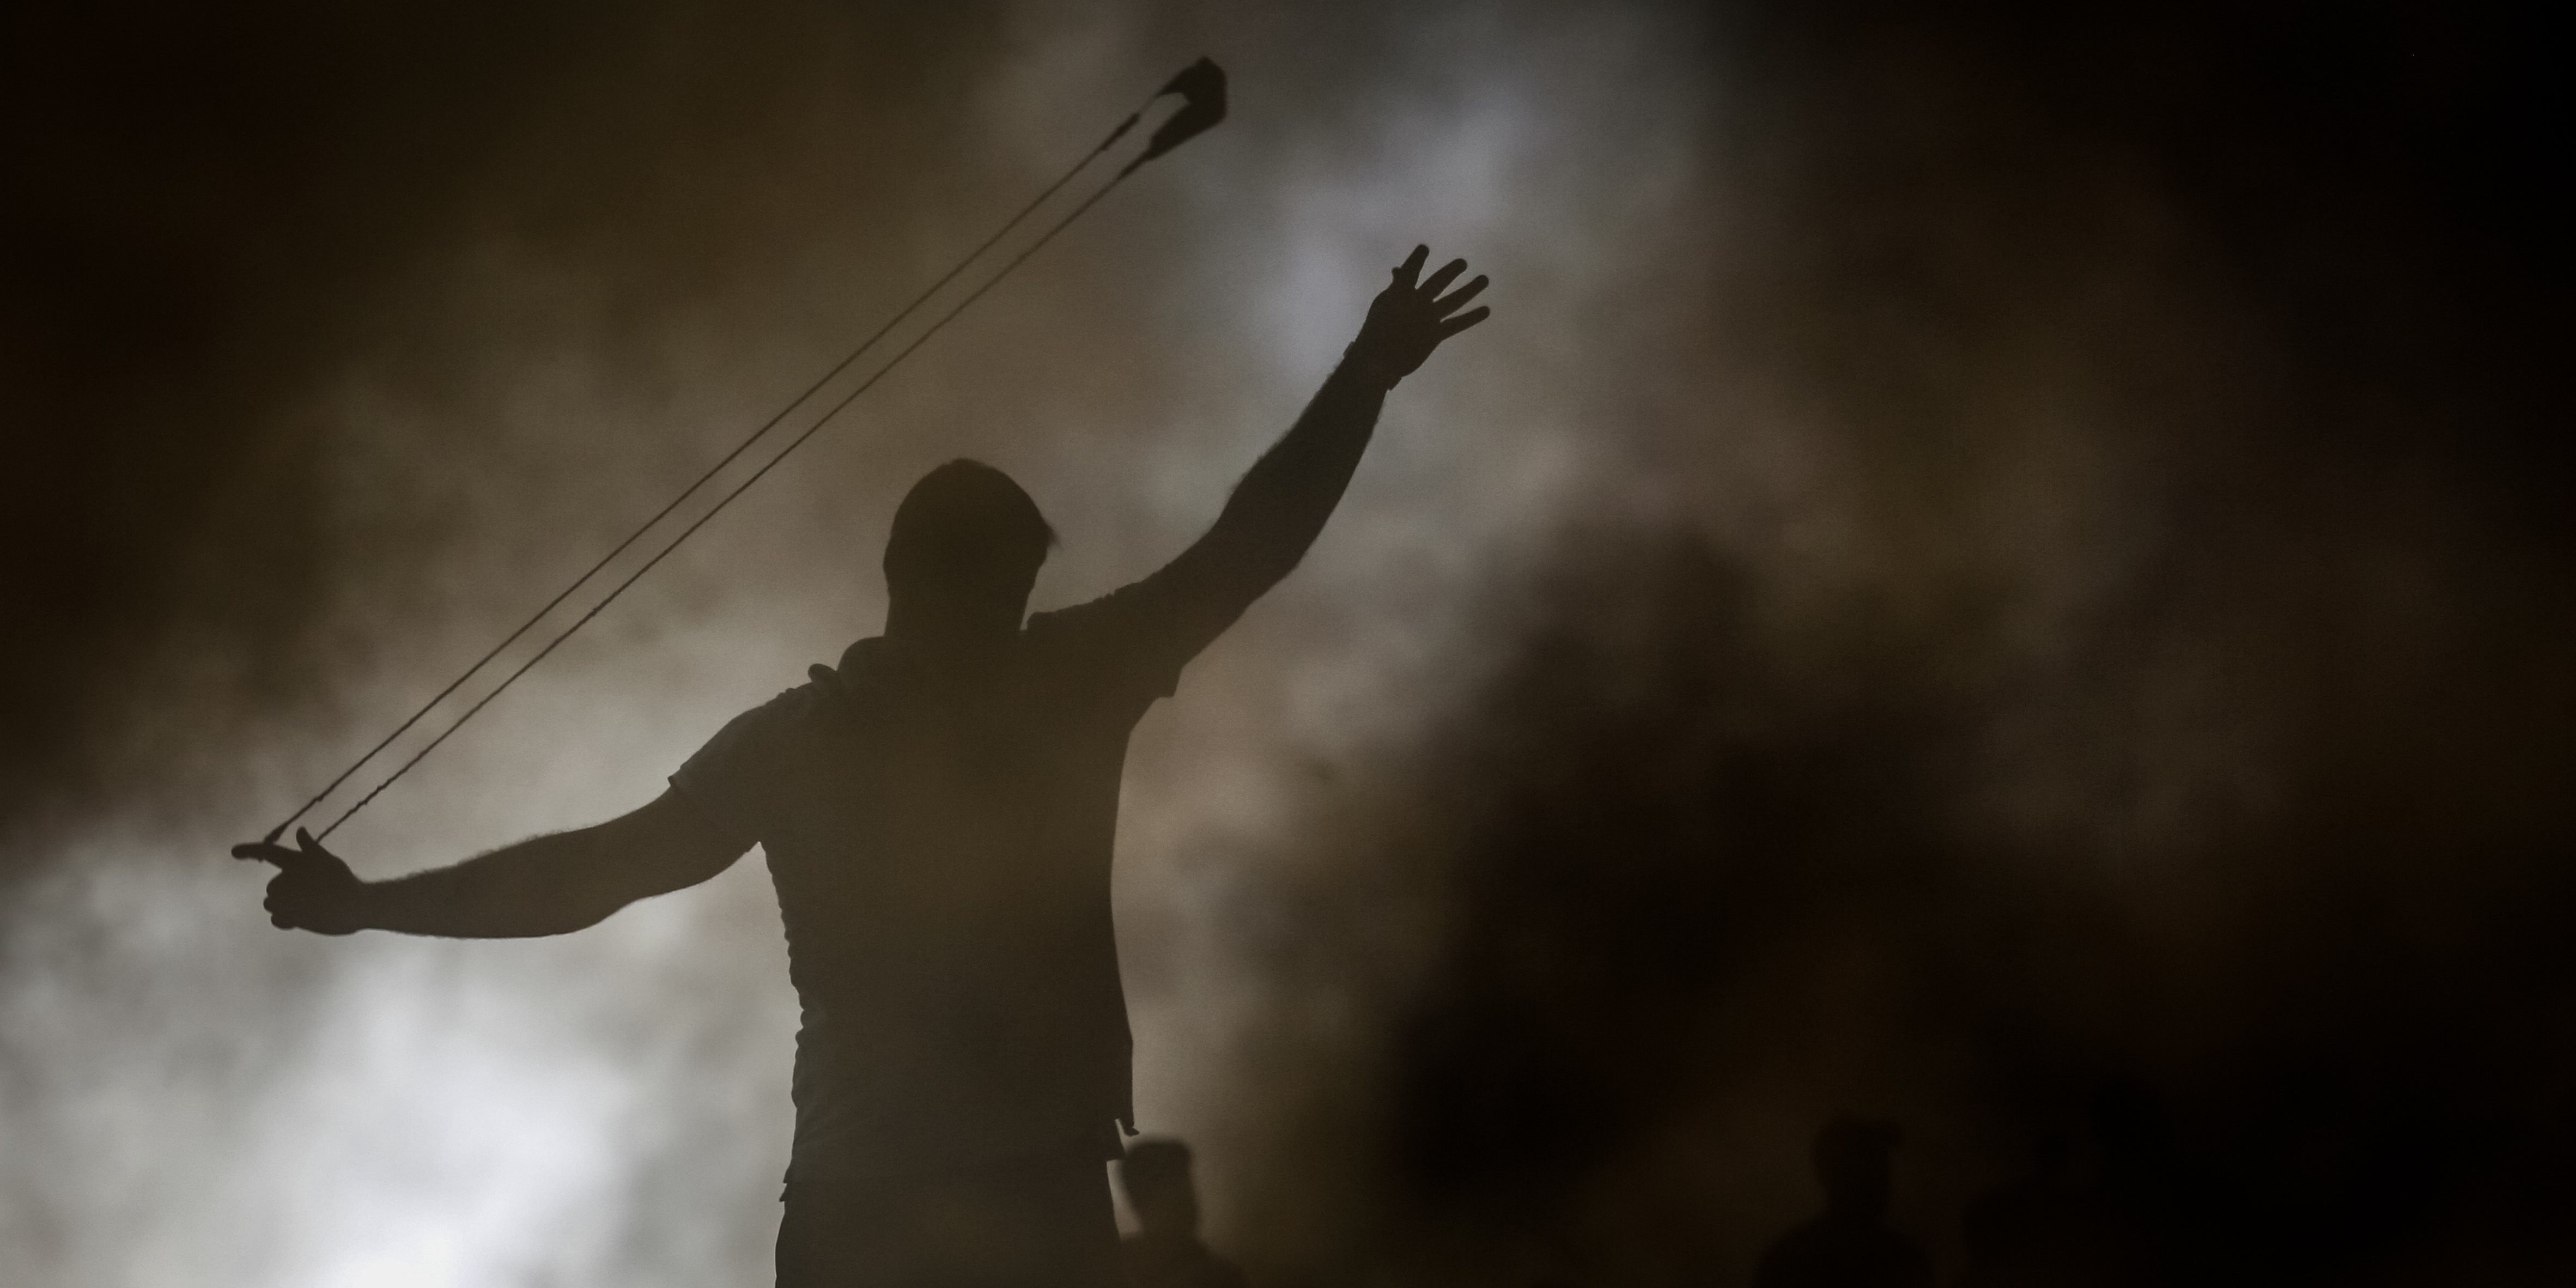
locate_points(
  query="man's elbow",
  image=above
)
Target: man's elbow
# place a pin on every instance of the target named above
(1243, 569)
(584, 912)
(586, 887)
(602, 893)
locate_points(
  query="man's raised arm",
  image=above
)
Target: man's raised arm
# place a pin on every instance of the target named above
(547, 885)
(1282, 503)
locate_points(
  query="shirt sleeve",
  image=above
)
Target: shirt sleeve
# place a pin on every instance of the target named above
(1135, 640)
(727, 780)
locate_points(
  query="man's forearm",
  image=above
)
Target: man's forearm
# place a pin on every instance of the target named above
(1281, 505)
(519, 891)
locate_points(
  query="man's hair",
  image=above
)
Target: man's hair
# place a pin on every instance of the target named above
(964, 521)
(1853, 1148)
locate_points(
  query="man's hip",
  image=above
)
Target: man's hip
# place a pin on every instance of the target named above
(1037, 1221)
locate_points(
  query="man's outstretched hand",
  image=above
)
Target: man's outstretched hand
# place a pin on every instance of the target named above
(1409, 319)
(313, 890)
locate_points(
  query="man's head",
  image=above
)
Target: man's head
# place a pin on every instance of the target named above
(1851, 1159)
(1156, 1174)
(965, 548)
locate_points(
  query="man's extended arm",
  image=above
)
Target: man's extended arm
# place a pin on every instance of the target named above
(547, 885)
(1282, 503)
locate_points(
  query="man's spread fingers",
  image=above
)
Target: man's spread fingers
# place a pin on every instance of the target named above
(1448, 273)
(1404, 272)
(1449, 304)
(1464, 320)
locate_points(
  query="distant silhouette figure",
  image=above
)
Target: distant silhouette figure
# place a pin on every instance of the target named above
(938, 812)
(1849, 1246)
(1165, 1251)
(2050, 1228)
(2038, 1230)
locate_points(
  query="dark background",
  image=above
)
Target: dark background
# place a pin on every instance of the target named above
(2151, 734)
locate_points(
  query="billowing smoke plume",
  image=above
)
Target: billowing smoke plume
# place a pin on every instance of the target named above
(1992, 570)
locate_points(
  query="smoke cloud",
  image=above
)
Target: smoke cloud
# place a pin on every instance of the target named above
(1992, 569)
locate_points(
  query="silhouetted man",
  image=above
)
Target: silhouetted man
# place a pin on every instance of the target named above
(1849, 1246)
(938, 813)
(1165, 1251)
(2026, 1233)
(2047, 1231)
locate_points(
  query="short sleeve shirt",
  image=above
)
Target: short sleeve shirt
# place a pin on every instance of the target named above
(941, 854)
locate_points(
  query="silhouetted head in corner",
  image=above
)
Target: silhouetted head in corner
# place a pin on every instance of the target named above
(965, 549)
(1157, 1176)
(1165, 1251)
(1849, 1245)
(1851, 1159)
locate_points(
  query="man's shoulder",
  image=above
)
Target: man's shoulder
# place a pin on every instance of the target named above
(801, 703)
(1073, 622)
(1135, 624)
(780, 717)
(734, 776)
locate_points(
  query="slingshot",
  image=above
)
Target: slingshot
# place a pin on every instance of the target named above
(1201, 89)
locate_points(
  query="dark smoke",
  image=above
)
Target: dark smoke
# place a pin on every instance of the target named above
(2218, 828)
(1704, 902)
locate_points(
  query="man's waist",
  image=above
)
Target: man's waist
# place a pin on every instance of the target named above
(887, 1070)
(824, 1160)
(862, 1122)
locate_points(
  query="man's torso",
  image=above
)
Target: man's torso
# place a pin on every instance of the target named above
(941, 850)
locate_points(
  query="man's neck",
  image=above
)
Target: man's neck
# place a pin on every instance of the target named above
(944, 653)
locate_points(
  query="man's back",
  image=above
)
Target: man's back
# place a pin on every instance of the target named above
(941, 849)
